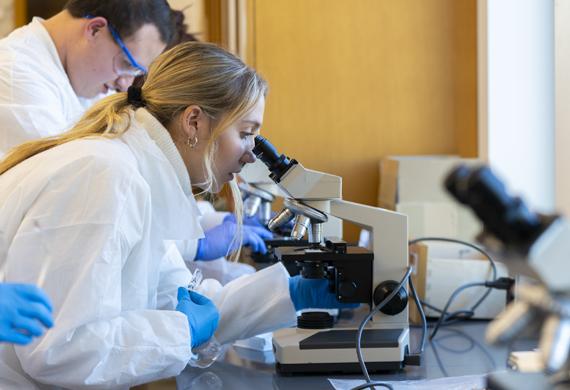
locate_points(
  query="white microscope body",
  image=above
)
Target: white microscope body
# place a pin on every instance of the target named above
(386, 338)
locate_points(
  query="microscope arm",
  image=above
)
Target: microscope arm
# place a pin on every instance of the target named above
(389, 232)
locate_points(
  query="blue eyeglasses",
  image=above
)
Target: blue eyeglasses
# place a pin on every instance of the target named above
(123, 64)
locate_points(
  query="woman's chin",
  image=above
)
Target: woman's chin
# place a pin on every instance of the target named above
(218, 183)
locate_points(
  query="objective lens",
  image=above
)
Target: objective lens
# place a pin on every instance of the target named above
(251, 205)
(300, 228)
(280, 219)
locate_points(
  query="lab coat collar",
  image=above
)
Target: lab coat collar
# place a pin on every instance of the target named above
(163, 140)
(41, 32)
(174, 210)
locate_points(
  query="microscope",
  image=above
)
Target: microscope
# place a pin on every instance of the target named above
(536, 246)
(258, 197)
(356, 275)
(256, 202)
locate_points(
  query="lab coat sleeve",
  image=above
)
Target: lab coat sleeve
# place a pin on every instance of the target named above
(213, 219)
(210, 217)
(254, 304)
(187, 249)
(91, 244)
(29, 107)
(173, 274)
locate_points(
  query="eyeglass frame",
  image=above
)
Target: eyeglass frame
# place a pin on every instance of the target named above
(139, 70)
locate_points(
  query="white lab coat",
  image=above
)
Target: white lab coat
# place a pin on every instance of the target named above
(95, 215)
(36, 96)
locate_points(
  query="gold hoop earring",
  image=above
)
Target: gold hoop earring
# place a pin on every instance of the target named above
(192, 142)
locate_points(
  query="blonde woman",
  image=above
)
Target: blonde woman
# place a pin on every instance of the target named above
(88, 216)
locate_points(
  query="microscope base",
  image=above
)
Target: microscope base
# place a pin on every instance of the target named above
(333, 350)
(521, 381)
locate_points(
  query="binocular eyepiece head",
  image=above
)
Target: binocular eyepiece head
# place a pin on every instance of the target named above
(505, 216)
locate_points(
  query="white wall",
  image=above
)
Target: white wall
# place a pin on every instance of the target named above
(516, 103)
(562, 134)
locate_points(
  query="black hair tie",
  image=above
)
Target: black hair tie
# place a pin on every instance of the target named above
(134, 97)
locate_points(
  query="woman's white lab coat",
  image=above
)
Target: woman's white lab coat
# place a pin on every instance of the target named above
(89, 221)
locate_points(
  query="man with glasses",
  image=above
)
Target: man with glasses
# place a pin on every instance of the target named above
(52, 70)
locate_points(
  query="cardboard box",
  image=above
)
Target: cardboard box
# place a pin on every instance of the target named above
(413, 185)
(440, 268)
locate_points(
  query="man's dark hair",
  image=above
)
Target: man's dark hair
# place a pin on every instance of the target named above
(180, 28)
(180, 35)
(127, 16)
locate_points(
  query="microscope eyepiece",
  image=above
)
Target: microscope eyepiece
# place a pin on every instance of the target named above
(503, 215)
(277, 163)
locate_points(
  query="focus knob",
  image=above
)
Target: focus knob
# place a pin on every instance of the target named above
(396, 304)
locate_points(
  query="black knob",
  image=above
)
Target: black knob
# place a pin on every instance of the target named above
(397, 304)
(315, 320)
(347, 289)
(312, 269)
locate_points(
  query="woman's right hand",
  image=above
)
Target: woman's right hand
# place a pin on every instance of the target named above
(315, 294)
(203, 316)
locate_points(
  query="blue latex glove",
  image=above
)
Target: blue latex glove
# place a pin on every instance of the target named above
(24, 308)
(250, 221)
(218, 240)
(314, 293)
(202, 315)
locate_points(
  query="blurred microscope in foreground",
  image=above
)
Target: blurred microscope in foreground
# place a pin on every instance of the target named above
(313, 200)
(530, 244)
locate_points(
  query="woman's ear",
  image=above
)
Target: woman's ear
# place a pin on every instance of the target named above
(192, 119)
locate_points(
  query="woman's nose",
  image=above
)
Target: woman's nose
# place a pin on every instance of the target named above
(249, 157)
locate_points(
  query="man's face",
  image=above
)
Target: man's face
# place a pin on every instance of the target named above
(99, 65)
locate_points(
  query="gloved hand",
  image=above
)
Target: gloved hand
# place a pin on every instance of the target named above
(254, 221)
(250, 221)
(314, 293)
(23, 309)
(217, 241)
(202, 315)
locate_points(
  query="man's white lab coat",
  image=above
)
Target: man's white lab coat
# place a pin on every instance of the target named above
(36, 96)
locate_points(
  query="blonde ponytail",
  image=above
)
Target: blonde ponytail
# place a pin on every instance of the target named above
(107, 118)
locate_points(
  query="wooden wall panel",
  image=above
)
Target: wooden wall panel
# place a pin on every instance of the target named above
(20, 13)
(465, 77)
(352, 81)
